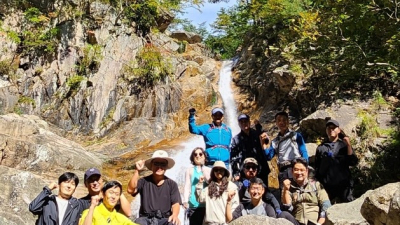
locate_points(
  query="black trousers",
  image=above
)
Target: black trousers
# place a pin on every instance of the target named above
(196, 215)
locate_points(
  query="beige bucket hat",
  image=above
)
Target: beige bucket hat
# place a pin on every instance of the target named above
(220, 164)
(160, 154)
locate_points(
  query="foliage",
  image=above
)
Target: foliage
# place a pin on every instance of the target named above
(92, 55)
(368, 128)
(26, 100)
(6, 67)
(14, 36)
(40, 40)
(149, 67)
(74, 82)
(33, 15)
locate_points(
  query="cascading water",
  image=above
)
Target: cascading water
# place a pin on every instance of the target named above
(225, 78)
(182, 162)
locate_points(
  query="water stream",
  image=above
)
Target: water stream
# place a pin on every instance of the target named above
(181, 153)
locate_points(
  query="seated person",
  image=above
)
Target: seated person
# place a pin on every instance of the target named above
(256, 206)
(306, 199)
(250, 171)
(105, 213)
(61, 208)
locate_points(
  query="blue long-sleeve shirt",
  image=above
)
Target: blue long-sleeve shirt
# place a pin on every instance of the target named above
(217, 140)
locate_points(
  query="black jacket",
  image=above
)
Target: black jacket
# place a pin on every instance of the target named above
(45, 206)
(332, 164)
(244, 146)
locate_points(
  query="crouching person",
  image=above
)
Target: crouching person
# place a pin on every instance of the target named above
(256, 206)
(160, 199)
(306, 199)
(61, 208)
(105, 213)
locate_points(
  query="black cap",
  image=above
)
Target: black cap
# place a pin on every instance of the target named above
(90, 172)
(334, 122)
(243, 116)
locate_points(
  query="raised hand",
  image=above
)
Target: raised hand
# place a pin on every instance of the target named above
(264, 138)
(201, 179)
(95, 200)
(286, 184)
(53, 185)
(231, 194)
(192, 111)
(140, 165)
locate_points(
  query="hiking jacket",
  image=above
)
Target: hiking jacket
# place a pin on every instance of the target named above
(332, 164)
(309, 203)
(217, 140)
(289, 146)
(244, 146)
(45, 206)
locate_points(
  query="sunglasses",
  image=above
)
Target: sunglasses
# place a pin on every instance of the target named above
(219, 170)
(250, 167)
(198, 154)
(160, 164)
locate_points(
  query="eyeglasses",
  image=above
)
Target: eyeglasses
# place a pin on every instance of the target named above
(250, 167)
(219, 170)
(198, 154)
(160, 164)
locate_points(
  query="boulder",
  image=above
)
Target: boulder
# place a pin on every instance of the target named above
(394, 210)
(259, 220)
(346, 114)
(376, 206)
(18, 189)
(27, 144)
(347, 213)
(190, 37)
(164, 19)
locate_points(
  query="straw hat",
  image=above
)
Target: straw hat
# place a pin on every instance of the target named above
(220, 164)
(160, 154)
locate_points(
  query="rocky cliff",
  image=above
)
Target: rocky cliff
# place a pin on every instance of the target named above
(79, 83)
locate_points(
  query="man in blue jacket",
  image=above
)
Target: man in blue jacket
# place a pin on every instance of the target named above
(217, 136)
(288, 145)
(61, 209)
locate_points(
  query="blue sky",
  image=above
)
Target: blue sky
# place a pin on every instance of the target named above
(208, 12)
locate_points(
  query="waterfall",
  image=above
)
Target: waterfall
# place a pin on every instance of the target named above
(181, 154)
(225, 89)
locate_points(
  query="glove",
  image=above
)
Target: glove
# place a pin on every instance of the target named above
(192, 111)
(278, 212)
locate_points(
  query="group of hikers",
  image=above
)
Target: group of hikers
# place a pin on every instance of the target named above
(228, 179)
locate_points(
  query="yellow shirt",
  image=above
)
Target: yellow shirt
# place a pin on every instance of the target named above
(101, 216)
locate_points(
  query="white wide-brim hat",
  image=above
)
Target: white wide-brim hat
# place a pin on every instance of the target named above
(220, 164)
(160, 154)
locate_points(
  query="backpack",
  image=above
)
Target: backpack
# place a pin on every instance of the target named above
(291, 135)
